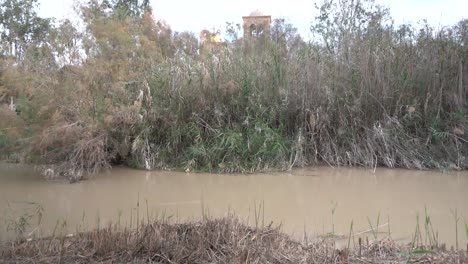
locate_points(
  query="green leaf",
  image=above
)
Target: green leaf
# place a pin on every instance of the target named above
(466, 229)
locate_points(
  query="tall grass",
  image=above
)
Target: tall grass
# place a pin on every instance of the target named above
(369, 95)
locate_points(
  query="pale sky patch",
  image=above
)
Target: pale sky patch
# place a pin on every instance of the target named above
(190, 15)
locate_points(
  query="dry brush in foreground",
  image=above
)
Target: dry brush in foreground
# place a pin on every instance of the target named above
(225, 240)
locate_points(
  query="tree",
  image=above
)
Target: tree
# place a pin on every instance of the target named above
(284, 34)
(131, 8)
(67, 43)
(121, 9)
(20, 26)
(185, 43)
(340, 21)
(461, 30)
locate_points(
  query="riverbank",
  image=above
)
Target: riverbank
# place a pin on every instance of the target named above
(225, 240)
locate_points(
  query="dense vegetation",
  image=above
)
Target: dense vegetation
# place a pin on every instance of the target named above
(125, 89)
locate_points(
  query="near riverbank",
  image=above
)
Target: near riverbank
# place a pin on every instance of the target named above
(224, 240)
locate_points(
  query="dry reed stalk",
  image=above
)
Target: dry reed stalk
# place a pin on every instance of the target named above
(224, 240)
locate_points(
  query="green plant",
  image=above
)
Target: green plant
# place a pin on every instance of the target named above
(20, 222)
(466, 229)
(334, 205)
(126, 89)
(429, 230)
(456, 218)
(375, 230)
(350, 234)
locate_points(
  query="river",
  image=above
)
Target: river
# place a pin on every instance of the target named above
(316, 200)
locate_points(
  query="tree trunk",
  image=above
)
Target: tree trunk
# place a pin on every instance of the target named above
(461, 94)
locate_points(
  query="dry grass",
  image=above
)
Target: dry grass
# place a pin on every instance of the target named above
(372, 94)
(225, 240)
(85, 150)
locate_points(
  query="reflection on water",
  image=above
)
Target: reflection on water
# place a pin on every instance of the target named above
(302, 200)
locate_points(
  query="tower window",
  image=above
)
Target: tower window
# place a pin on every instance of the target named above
(253, 30)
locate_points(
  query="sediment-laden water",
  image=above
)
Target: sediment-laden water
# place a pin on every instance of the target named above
(319, 200)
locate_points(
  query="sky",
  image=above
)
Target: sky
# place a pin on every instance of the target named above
(196, 15)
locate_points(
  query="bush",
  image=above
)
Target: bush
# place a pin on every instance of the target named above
(365, 93)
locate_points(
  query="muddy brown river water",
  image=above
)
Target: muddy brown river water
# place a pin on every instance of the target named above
(319, 200)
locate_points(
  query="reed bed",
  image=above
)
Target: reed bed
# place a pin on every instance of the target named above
(362, 92)
(225, 240)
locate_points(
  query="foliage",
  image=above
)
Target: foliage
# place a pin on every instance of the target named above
(129, 90)
(20, 26)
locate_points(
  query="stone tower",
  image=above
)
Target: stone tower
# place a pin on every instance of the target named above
(256, 26)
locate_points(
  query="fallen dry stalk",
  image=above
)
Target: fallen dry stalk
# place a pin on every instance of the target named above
(225, 240)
